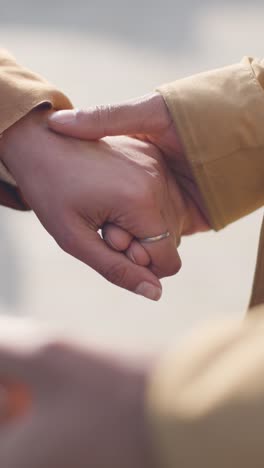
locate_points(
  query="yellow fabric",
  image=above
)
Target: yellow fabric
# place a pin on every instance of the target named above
(257, 296)
(206, 401)
(20, 92)
(219, 116)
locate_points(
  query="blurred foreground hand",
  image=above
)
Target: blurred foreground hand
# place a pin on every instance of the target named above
(65, 407)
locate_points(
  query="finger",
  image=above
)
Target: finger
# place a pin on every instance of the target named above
(120, 240)
(165, 260)
(145, 115)
(87, 246)
(116, 237)
(138, 254)
(162, 256)
(165, 257)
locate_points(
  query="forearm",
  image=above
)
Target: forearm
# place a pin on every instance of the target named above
(22, 140)
(205, 401)
(19, 151)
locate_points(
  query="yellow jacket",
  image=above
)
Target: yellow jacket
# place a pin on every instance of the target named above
(204, 404)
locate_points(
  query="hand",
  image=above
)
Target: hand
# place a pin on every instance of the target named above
(146, 118)
(76, 409)
(76, 188)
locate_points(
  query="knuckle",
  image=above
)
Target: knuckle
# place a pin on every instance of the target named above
(169, 268)
(97, 114)
(101, 115)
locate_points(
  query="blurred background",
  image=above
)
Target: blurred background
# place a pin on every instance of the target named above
(106, 51)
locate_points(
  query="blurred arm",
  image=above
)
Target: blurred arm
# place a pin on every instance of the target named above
(20, 92)
(206, 402)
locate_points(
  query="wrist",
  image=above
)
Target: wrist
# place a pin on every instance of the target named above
(15, 139)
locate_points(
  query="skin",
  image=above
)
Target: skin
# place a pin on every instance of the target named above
(72, 408)
(66, 407)
(147, 119)
(77, 187)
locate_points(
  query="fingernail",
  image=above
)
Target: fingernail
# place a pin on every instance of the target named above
(149, 291)
(131, 256)
(64, 117)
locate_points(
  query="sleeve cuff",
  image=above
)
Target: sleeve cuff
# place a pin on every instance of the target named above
(219, 116)
(21, 91)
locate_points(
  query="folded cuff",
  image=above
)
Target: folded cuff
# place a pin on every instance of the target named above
(21, 91)
(219, 116)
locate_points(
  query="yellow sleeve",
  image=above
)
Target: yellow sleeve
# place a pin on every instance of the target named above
(206, 402)
(219, 116)
(20, 92)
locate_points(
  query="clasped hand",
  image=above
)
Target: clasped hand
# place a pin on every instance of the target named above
(131, 187)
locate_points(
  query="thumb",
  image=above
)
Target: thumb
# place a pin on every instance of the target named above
(144, 116)
(91, 249)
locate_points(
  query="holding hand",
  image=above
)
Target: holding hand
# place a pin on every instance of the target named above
(76, 188)
(144, 119)
(147, 119)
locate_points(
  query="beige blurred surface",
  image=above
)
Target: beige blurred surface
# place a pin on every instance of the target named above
(108, 51)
